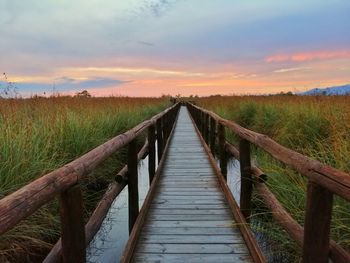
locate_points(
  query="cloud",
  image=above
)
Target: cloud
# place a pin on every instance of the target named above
(284, 70)
(133, 71)
(309, 56)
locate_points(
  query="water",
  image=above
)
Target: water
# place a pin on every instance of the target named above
(109, 242)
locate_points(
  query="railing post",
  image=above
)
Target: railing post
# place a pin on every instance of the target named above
(159, 139)
(212, 135)
(133, 192)
(72, 225)
(151, 153)
(222, 152)
(206, 128)
(246, 178)
(202, 123)
(317, 224)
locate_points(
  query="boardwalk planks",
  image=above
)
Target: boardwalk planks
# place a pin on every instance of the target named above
(189, 219)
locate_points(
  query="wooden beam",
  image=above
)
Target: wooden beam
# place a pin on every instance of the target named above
(159, 139)
(25, 201)
(222, 151)
(72, 225)
(133, 192)
(317, 224)
(212, 135)
(152, 153)
(330, 178)
(246, 179)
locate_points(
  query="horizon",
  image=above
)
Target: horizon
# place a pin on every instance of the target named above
(148, 48)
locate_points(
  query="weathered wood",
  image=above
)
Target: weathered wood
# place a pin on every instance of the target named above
(295, 231)
(190, 239)
(317, 224)
(130, 246)
(246, 179)
(193, 258)
(133, 191)
(222, 151)
(72, 225)
(212, 136)
(25, 201)
(122, 175)
(238, 216)
(194, 248)
(206, 128)
(193, 230)
(159, 139)
(151, 153)
(194, 216)
(332, 179)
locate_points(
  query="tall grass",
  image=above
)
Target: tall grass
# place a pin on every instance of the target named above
(318, 127)
(41, 134)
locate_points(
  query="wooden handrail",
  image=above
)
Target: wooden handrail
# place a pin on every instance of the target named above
(25, 201)
(330, 178)
(65, 183)
(324, 181)
(284, 219)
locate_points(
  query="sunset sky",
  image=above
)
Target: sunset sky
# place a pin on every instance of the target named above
(155, 47)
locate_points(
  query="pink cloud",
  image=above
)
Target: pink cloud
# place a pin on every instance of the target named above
(308, 56)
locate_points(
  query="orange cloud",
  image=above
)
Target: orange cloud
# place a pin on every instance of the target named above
(308, 56)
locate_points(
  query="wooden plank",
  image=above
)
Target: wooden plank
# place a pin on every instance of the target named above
(189, 217)
(155, 230)
(193, 258)
(188, 212)
(130, 246)
(193, 248)
(218, 223)
(188, 202)
(190, 197)
(190, 239)
(251, 242)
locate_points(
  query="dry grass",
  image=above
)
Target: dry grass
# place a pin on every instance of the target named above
(41, 134)
(318, 127)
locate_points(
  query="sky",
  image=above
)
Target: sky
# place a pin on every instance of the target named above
(185, 47)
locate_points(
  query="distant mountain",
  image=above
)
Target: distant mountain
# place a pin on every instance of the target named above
(337, 90)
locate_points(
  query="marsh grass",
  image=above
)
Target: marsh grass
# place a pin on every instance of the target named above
(318, 127)
(41, 134)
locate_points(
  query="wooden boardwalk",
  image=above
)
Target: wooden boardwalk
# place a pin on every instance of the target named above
(189, 219)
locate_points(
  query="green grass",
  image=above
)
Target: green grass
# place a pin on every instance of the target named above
(39, 135)
(318, 127)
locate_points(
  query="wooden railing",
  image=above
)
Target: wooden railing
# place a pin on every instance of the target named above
(323, 183)
(65, 183)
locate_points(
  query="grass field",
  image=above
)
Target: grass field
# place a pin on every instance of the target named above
(41, 134)
(318, 127)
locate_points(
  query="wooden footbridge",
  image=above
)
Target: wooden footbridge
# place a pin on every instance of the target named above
(189, 214)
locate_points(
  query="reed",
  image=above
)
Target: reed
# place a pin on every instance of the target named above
(318, 127)
(38, 135)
